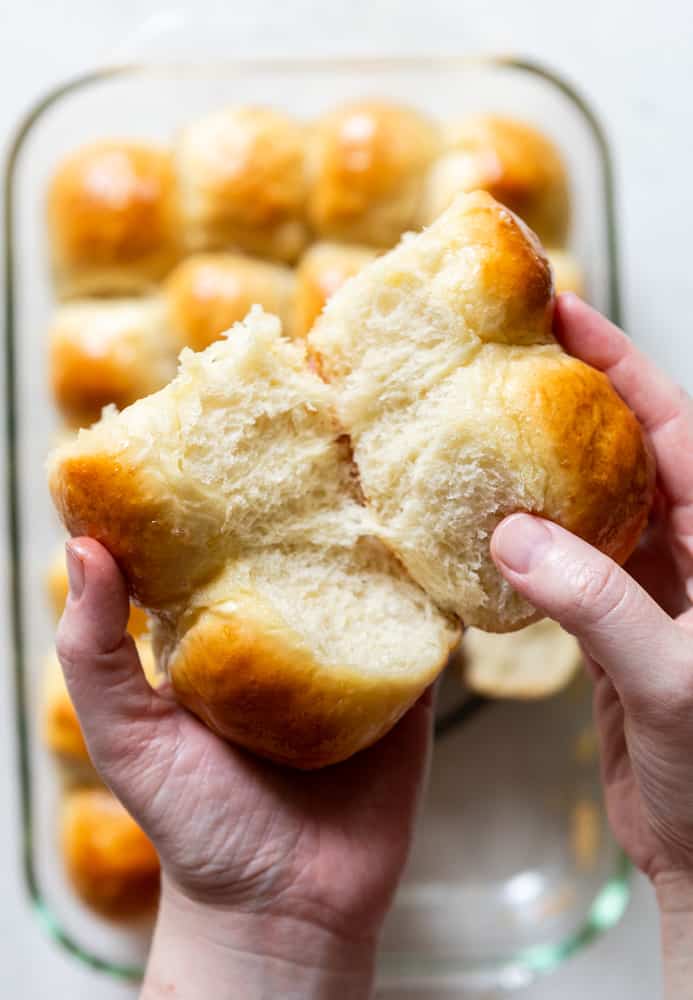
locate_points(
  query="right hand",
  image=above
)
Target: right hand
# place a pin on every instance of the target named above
(635, 624)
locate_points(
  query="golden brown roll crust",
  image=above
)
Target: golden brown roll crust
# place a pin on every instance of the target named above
(252, 679)
(462, 408)
(111, 863)
(601, 479)
(208, 293)
(368, 160)
(511, 160)
(119, 505)
(109, 351)
(112, 219)
(242, 175)
(322, 270)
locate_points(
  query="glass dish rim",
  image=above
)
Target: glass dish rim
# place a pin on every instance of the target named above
(602, 916)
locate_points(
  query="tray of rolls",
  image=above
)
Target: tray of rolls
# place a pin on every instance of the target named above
(148, 208)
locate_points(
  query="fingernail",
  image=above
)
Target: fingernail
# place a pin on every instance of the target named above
(75, 570)
(521, 542)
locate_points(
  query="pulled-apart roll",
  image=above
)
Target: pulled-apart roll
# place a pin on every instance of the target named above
(263, 539)
(462, 408)
(230, 502)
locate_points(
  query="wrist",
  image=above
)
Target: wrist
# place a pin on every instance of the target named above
(674, 891)
(202, 950)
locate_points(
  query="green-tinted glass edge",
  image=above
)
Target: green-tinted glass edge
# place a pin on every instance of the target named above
(536, 960)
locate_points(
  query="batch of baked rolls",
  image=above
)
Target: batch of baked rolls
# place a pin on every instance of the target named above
(304, 505)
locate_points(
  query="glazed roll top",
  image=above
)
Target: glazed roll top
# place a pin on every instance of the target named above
(243, 182)
(113, 221)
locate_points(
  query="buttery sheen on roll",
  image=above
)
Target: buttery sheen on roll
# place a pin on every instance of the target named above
(462, 408)
(367, 162)
(323, 269)
(514, 162)
(104, 351)
(207, 293)
(113, 219)
(243, 182)
(230, 502)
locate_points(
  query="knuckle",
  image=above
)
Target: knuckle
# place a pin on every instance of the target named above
(599, 591)
(67, 647)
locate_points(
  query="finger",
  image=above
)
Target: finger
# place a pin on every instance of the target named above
(662, 407)
(120, 714)
(615, 620)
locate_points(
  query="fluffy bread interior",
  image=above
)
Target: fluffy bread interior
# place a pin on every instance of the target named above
(229, 499)
(462, 408)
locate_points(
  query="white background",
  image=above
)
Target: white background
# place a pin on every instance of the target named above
(634, 60)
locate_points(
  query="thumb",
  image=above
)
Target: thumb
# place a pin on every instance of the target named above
(121, 716)
(617, 623)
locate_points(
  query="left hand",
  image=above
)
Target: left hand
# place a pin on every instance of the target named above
(260, 864)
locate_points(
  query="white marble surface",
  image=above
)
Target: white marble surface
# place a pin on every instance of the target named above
(634, 62)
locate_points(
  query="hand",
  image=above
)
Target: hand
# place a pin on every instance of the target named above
(635, 626)
(269, 876)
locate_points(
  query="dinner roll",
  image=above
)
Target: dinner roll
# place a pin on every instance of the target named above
(462, 408)
(57, 589)
(62, 733)
(229, 500)
(511, 160)
(368, 160)
(568, 276)
(108, 351)
(112, 219)
(535, 662)
(208, 293)
(111, 863)
(243, 183)
(322, 270)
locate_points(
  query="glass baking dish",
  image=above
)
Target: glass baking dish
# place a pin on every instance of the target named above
(513, 867)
